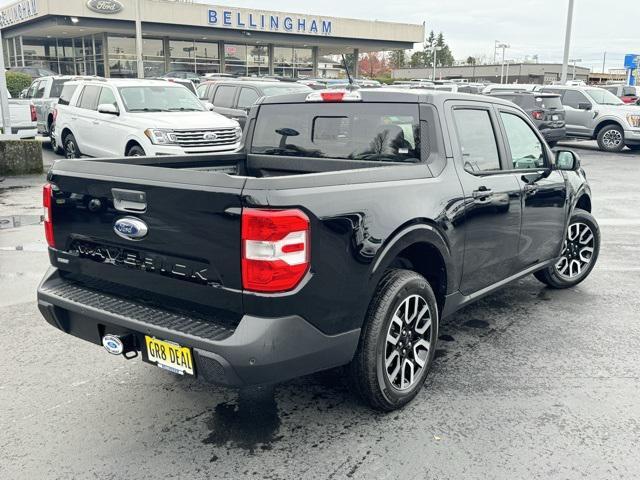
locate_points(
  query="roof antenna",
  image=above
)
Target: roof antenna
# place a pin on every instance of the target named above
(346, 69)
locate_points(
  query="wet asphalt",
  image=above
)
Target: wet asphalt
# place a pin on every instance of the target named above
(528, 383)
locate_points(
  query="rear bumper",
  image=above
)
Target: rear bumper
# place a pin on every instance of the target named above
(256, 351)
(554, 134)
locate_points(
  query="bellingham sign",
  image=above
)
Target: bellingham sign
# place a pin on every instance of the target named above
(269, 22)
(18, 12)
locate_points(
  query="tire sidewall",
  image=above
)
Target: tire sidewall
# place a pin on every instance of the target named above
(136, 151)
(601, 135)
(71, 139)
(416, 285)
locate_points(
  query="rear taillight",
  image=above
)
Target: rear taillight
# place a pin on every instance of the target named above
(34, 115)
(537, 114)
(275, 249)
(47, 197)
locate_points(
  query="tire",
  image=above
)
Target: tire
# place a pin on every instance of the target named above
(611, 138)
(136, 151)
(71, 149)
(52, 141)
(566, 272)
(386, 318)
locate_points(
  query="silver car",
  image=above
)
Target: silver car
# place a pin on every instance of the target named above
(597, 114)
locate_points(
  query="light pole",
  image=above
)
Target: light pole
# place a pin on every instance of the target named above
(574, 61)
(4, 97)
(435, 50)
(567, 43)
(495, 51)
(503, 46)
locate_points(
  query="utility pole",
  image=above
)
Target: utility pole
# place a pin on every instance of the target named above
(503, 46)
(495, 51)
(435, 54)
(4, 94)
(604, 61)
(567, 43)
(574, 61)
(139, 62)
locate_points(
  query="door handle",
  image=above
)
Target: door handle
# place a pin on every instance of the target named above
(481, 193)
(530, 188)
(74, 118)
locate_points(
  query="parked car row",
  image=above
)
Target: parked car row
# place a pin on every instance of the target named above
(22, 116)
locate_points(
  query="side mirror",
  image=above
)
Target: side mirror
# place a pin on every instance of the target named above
(108, 108)
(584, 106)
(567, 160)
(209, 106)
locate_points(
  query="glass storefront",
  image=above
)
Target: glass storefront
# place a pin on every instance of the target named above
(246, 59)
(86, 55)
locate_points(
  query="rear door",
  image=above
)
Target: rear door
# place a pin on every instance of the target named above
(492, 196)
(544, 191)
(224, 100)
(86, 124)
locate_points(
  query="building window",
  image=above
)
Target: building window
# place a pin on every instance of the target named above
(246, 59)
(153, 57)
(199, 57)
(207, 57)
(65, 57)
(122, 57)
(292, 62)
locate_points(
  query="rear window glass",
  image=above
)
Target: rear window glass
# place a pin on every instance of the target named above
(549, 102)
(629, 91)
(66, 94)
(56, 88)
(371, 131)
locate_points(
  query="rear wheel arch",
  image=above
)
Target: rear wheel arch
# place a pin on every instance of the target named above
(420, 248)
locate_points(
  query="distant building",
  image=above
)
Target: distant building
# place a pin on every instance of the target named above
(541, 73)
(619, 75)
(329, 68)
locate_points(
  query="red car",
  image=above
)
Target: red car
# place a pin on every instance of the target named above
(626, 93)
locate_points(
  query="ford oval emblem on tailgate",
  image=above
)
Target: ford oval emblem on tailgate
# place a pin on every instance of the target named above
(131, 228)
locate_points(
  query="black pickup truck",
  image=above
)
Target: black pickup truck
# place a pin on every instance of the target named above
(351, 223)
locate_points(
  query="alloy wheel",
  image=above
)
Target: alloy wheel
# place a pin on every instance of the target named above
(407, 344)
(577, 251)
(70, 149)
(612, 138)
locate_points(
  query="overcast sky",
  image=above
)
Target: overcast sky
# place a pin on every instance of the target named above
(530, 26)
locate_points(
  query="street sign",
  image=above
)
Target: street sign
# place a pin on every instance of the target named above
(631, 61)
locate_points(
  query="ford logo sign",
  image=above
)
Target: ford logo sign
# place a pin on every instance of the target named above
(104, 6)
(131, 228)
(210, 136)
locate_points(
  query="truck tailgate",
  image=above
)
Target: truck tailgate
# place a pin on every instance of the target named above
(190, 252)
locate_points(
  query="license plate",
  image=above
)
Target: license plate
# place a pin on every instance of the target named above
(554, 117)
(169, 356)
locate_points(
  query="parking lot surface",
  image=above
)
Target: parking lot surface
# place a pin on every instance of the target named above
(528, 383)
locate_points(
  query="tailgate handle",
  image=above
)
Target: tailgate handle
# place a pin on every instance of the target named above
(129, 200)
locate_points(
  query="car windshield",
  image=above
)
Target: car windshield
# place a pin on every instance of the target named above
(603, 97)
(284, 89)
(159, 98)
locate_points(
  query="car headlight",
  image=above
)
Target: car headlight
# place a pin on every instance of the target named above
(238, 131)
(160, 137)
(634, 120)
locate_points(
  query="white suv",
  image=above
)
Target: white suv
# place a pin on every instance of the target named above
(111, 118)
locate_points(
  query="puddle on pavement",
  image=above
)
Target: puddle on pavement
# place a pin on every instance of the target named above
(17, 221)
(476, 323)
(251, 423)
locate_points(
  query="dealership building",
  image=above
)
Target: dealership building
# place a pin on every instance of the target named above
(99, 37)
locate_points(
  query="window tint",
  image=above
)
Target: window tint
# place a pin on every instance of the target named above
(526, 148)
(89, 98)
(477, 140)
(572, 99)
(247, 97)
(107, 97)
(40, 90)
(224, 96)
(66, 94)
(551, 103)
(32, 90)
(364, 131)
(56, 88)
(629, 91)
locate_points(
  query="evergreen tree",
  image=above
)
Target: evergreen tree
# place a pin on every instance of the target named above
(398, 58)
(444, 57)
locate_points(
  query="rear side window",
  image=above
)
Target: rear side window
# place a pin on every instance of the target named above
(477, 140)
(89, 97)
(363, 131)
(66, 94)
(40, 90)
(224, 96)
(56, 88)
(629, 91)
(247, 97)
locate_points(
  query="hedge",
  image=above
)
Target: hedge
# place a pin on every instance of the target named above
(16, 82)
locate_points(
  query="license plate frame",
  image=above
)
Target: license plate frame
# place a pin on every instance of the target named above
(169, 356)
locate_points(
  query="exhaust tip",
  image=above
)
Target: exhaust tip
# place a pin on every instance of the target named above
(113, 344)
